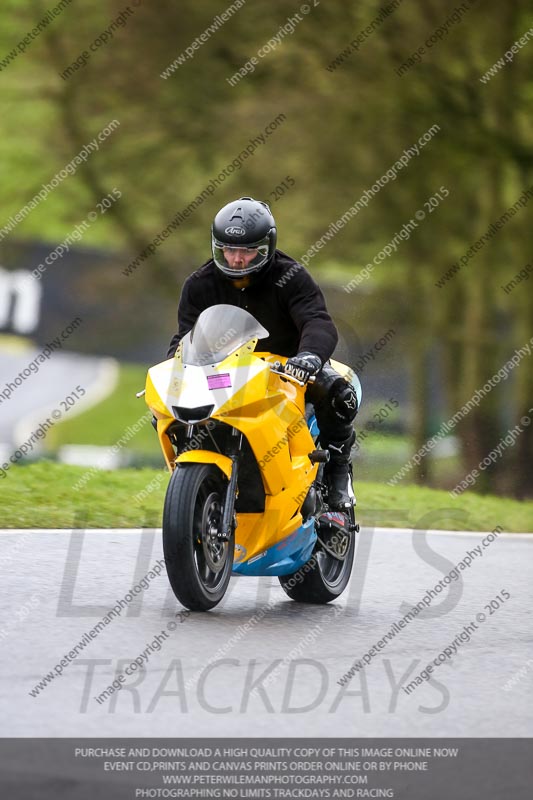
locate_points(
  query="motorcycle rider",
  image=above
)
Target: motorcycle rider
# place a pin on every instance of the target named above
(247, 270)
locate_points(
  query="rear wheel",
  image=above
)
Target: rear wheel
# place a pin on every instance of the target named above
(325, 576)
(198, 564)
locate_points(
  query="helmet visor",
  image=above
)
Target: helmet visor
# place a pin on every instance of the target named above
(236, 260)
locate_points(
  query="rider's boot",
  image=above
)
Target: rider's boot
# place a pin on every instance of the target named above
(338, 473)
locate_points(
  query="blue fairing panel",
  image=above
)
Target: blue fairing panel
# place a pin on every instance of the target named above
(284, 557)
(313, 426)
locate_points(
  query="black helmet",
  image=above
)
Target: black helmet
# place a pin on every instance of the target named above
(244, 224)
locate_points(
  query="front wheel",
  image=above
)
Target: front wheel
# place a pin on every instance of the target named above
(324, 577)
(198, 564)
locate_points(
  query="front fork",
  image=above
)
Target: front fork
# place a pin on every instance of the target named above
(229, 520)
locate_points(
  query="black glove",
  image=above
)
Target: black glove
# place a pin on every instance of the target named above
(303, 366)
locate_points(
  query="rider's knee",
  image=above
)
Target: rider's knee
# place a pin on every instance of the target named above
(344, 402)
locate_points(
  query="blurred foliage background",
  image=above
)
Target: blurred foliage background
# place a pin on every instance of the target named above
(344, 127)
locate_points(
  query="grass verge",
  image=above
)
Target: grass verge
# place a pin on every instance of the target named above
(107, 422)
(41, 495)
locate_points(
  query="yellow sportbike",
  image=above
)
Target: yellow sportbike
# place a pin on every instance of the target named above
(246, 494)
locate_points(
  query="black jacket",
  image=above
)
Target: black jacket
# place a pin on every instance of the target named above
(285, 299)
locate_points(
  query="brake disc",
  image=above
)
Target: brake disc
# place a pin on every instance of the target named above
(214, 550)
(336, 525)
(340, 547)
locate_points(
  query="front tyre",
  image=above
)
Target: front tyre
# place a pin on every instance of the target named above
(198, 564)
(323, 578)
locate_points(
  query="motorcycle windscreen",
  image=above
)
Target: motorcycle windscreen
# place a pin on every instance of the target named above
(217, 333)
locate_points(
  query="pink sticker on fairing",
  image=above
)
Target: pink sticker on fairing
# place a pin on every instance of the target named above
(220, 381)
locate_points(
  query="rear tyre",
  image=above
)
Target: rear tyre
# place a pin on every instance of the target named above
(323, 578)
(198, 564)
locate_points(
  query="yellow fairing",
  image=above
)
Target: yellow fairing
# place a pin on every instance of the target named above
(270, 411)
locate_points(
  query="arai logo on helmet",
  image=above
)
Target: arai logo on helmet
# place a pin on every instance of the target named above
(235, 230)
